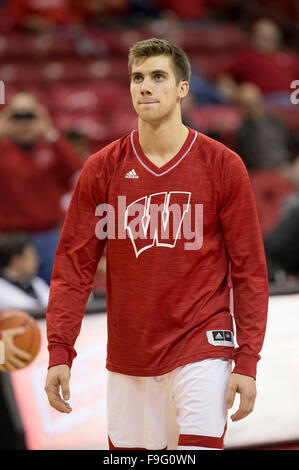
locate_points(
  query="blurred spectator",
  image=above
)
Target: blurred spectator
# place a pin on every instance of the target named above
(20, 288)
(264, 63)
(282, 243)
(37, 167)
(263, 140)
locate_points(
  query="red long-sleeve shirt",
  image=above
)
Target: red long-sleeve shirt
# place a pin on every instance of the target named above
(167, 293)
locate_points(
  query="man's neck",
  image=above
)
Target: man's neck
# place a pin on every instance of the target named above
(161, 142)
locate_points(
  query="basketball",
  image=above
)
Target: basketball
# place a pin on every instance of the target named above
(30, 340)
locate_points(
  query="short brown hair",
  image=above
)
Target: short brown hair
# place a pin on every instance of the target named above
(153, 47)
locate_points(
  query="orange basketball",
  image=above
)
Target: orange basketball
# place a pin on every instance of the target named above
(30, 340)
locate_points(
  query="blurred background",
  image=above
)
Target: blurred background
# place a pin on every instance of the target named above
(64, 74)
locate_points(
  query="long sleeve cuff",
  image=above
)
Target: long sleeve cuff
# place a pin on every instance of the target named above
(245, 364)
(60, 354)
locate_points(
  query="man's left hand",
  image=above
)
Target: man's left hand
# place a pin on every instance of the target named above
(246, 387)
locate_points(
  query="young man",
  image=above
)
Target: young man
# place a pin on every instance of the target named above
(181, 219)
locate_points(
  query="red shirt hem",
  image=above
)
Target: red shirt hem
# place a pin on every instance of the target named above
(164, 370)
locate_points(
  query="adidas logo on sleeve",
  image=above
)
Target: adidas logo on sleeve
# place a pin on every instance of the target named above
(221, 338)
(132, 174)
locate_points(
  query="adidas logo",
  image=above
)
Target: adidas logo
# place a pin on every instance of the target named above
(132, 174)
(219, 336)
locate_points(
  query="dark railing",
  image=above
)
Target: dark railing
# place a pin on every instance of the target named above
(98, 304)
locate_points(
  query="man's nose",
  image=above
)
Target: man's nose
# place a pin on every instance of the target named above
(145, 87)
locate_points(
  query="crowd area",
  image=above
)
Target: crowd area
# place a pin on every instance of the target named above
(64, 67)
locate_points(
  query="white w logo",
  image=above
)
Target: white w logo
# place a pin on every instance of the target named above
(158, 221)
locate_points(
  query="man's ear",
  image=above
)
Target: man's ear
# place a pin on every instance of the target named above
(183, 89)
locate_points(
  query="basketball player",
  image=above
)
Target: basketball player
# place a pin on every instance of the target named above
(182, 229)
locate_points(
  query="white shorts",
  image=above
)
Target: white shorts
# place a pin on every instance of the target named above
(183, 409)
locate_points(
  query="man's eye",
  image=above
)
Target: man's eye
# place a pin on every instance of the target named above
(137, 78)
(159, 76)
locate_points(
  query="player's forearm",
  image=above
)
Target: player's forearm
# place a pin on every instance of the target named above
(244, 245)
(250, 314)
(76, 261)
(250, 296)
(65, 312)
(71, 284)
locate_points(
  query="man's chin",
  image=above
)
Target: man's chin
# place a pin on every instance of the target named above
(149, 117)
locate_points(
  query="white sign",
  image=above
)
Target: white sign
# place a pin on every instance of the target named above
(275, 418)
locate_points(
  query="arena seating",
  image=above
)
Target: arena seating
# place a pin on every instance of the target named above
(82, 76)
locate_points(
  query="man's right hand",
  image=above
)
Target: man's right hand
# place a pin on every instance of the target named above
(59, 376)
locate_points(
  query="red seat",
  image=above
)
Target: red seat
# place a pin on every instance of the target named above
(74, 98)
(213, 39)
(29, 46)
(270, 190)
(63, 70)
(20, 72)
(92, 97)
(15, 46)
(216, 117)
(210, 65)
(71, 70)
(208, 39)
(49, 45)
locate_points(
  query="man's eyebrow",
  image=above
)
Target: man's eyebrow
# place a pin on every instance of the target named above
(160, 71)
(152, 72)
